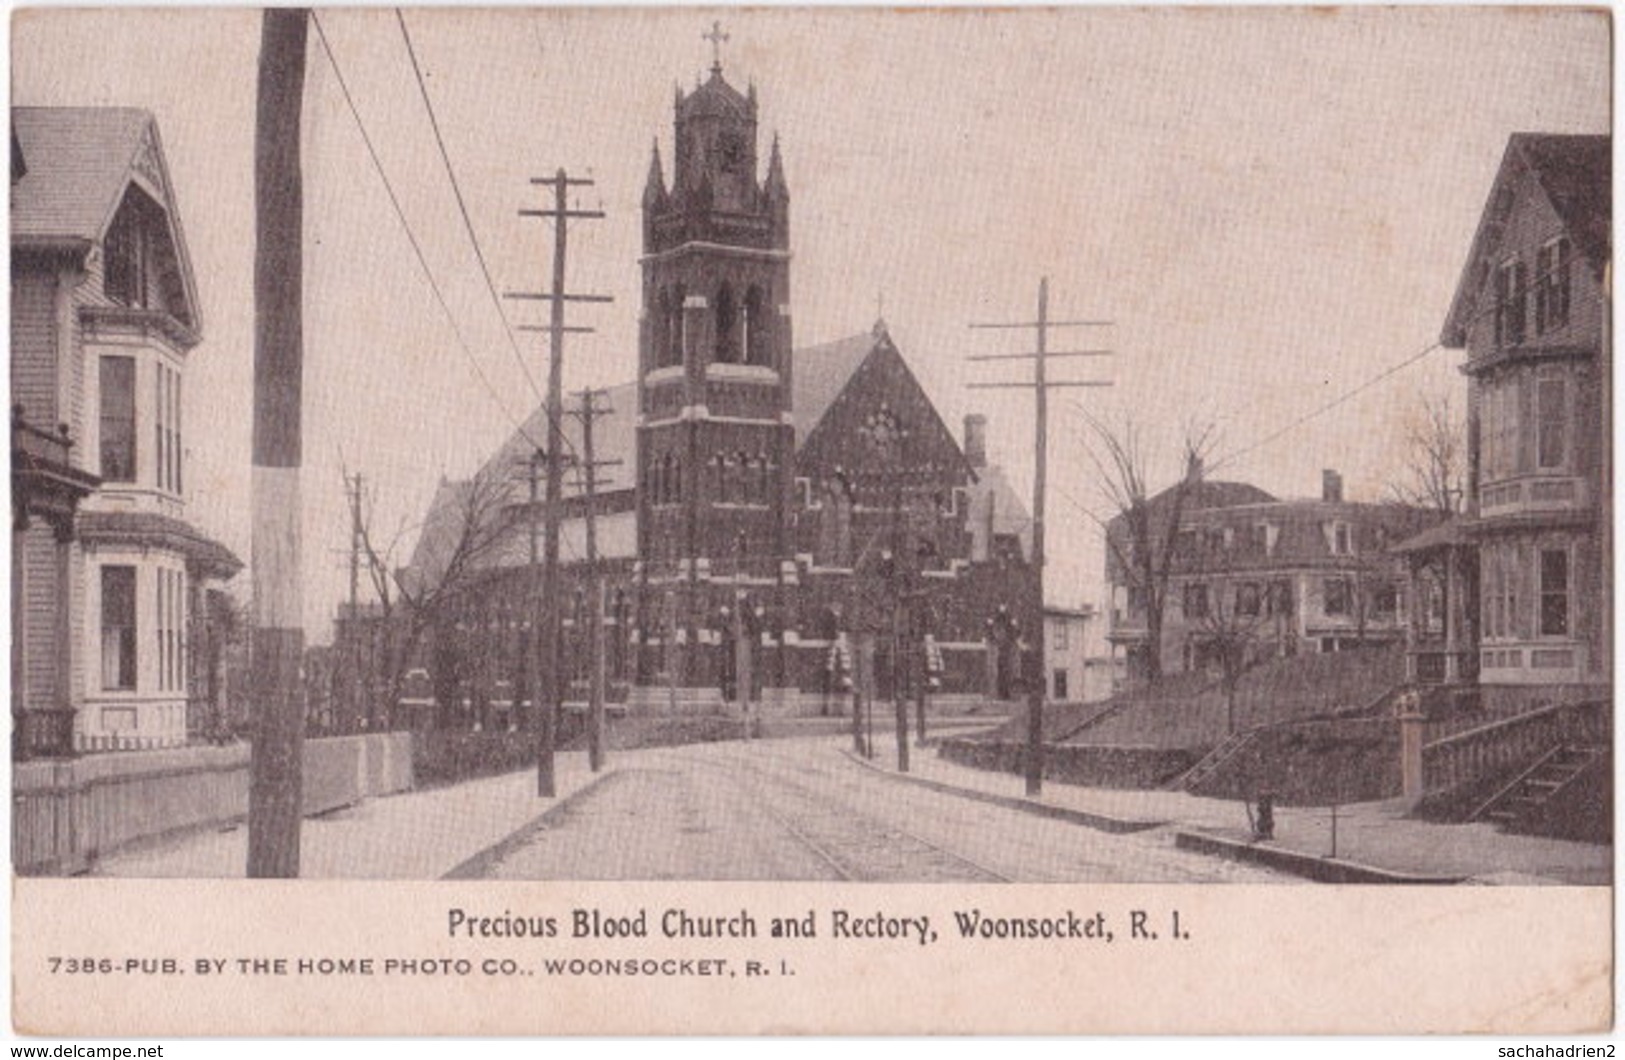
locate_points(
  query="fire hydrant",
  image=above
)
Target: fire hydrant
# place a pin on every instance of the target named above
(1264, 828)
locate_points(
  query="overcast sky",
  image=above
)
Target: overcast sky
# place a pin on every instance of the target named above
(1272, 205)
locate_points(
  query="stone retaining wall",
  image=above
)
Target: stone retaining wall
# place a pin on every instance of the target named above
(1099, 767)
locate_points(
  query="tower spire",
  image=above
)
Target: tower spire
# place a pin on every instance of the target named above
(654, 191)
(775, 172)
(716, 37)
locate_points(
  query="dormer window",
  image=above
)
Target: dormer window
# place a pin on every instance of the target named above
(1552, 286)
(1339, 539)
(1511, 294)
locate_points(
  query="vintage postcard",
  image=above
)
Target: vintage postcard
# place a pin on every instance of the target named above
(815, 521)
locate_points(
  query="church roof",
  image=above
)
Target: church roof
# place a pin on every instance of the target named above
(992, 488)
(715, 98)
(821, 373)
(614, 436)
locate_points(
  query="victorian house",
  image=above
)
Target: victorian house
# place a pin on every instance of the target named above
(1528, 564)
(108, 577)
(1252, 576)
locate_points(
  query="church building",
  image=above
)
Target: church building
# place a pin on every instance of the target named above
(808, 506)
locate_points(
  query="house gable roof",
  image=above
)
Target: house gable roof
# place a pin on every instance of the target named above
(77, 165)
(1574, 173)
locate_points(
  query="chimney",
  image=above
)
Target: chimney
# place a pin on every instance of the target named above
(976, 439)
(1331, 486)
(1193, 467)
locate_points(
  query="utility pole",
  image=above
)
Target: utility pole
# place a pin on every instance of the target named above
(1040, 386)
(352, 489)
(901, 574)
(532, 655)
(744, 638)
(275, 762)
(547, 701)
(588, 412)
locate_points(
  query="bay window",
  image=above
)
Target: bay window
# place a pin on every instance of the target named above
(118, 629)
(118, 419)
(1554, 592)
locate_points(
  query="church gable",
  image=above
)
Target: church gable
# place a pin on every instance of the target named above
(881, 420)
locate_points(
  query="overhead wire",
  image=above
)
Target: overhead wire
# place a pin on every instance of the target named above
(406, 226)
(462, 205)
(417, 248)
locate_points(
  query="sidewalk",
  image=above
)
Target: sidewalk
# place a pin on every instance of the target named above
(1375, 833)
(421, 835)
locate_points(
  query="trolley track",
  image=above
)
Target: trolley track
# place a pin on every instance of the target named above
(855, 845)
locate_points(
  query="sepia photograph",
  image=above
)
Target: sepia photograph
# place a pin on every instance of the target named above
(827, 496)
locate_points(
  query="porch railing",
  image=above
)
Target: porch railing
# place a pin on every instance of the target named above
(1431, 666)
(1469, 755)
(41, 733)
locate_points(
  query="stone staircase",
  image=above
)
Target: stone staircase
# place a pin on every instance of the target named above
(1523, 800)
(1212, 762)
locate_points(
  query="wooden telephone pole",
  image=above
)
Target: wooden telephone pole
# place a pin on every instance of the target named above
(276, 758)
(358, 688)
(588, 412)
(547, 628)
(1040, 385)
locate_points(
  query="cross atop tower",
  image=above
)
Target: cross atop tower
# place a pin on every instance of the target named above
(716, 37)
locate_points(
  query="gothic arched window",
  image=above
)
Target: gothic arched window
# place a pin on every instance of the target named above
(660, 329)
(756, 333)
(674, 326)
(719, 478)
(764, 479)
(727, 319)
(674, 478)
(744, 478)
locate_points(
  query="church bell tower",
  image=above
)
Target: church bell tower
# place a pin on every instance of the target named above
(715, 438)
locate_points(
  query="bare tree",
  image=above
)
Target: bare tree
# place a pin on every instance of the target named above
(465, 526)
(1434, 472)
(1235, 611)
(1142, 533)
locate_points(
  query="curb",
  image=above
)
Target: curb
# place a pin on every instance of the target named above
(475, 867)
(1099, 822)
(1310, 866)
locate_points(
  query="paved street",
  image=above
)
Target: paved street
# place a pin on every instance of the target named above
(802, 810)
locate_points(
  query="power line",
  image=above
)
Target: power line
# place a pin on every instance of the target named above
(1536, 280)
(423, 263)
(462, 206)
(406, 226)
(1341, 399)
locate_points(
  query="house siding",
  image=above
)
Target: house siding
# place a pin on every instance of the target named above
(33, 348)
(1514, 502)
